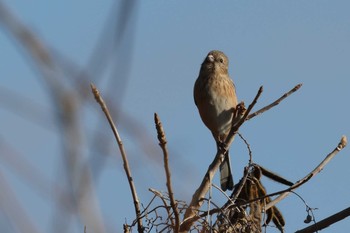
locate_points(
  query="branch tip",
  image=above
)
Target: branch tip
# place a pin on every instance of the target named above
(160, 130)
(95, 92)
(343, 142)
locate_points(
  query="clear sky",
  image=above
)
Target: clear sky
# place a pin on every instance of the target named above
(149, 64)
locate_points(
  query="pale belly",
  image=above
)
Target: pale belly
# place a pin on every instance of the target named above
(217, 116)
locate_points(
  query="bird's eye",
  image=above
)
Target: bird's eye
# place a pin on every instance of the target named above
(221, 60)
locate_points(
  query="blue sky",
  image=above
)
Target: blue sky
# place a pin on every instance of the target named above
(277, 44)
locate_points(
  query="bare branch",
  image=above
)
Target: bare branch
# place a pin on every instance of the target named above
(264, 109)
(341, 145)
(103, 105)
(162, 144)
(248, 147)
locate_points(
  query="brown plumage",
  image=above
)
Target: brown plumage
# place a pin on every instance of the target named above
(216, 100)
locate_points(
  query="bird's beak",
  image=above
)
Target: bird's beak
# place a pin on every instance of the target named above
(210, 58)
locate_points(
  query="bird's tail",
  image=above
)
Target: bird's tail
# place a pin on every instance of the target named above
(226, 178)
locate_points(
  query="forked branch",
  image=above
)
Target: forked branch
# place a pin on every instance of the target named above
(276, 102)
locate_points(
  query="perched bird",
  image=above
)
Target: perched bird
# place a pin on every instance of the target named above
(216, 100)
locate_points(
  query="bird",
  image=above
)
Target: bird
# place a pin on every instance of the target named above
(215, 97)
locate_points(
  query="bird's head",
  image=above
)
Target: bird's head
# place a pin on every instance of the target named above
(216, 61)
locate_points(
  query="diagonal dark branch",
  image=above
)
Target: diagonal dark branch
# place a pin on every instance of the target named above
(326, 222)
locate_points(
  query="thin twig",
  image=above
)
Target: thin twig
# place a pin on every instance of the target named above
(341, 145)
(309, 210)
(242, 182)
(248, 147)
(264, 109)
(145, 209)
(104, 107)
(222, 192)
(160, 195)
(162, 144)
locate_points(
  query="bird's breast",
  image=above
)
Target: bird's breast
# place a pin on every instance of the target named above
(216, 103)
